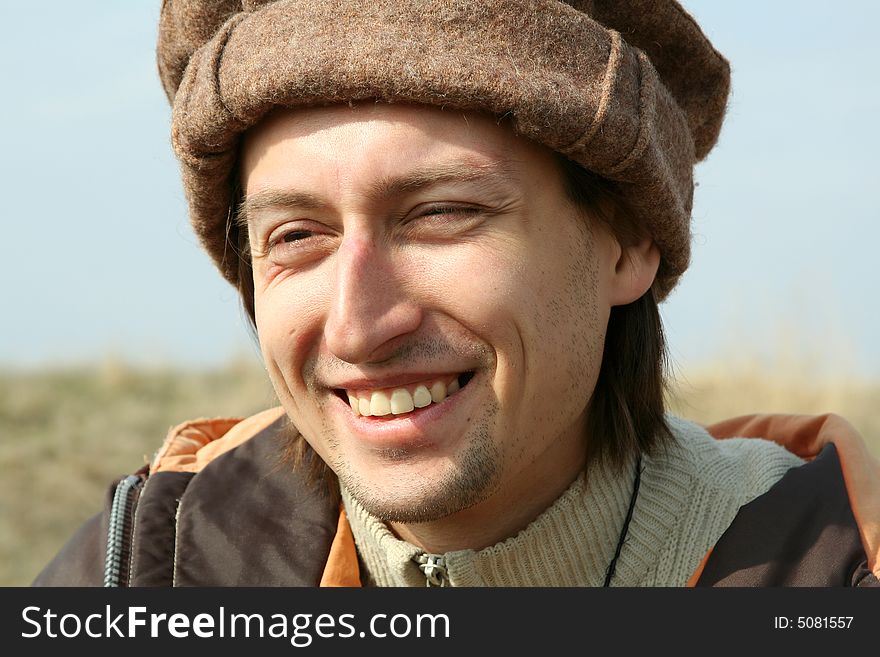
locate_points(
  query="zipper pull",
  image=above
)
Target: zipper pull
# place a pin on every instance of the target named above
(434, 568)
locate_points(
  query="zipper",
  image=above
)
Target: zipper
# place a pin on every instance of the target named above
(434, 568)
(119, 529)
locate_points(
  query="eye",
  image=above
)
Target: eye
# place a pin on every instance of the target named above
(441, 209)
(448, 209)
(442, 220)
(296, 242)
(289, 235)
(443, 214)
(295, 236)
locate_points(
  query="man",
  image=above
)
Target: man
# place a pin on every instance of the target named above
(451, 224)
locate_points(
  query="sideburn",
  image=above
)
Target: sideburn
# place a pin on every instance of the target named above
(627, 411)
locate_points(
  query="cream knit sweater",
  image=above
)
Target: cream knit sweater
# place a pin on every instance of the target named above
(688, 496)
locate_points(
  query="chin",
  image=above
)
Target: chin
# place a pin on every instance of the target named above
(402, 493)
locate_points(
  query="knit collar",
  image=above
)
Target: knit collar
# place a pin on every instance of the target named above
(550, 551)
(689, 494)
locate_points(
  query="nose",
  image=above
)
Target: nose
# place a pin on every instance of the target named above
(370, 305)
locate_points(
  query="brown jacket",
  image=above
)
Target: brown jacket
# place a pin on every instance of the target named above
(185, 522)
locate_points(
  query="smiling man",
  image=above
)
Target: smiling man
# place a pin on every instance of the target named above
(451, 224)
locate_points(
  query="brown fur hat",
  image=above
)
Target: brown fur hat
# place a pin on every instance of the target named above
(630, 89)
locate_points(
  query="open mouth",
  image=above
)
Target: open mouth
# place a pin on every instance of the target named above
(394, 402)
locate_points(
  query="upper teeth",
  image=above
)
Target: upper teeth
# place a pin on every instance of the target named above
(401, 400)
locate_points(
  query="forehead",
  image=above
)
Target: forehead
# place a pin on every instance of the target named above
(379, 139)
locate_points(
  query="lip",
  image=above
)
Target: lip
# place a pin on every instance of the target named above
(394, 381)
(431, 426)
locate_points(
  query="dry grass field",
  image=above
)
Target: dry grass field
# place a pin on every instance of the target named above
(64, 435)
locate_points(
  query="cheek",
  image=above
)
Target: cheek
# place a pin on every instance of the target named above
(479, 285)
(537, 302)
(564, 317)
(288, 319)
(579, 315)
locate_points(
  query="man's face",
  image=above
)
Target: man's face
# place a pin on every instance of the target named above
(400, 252)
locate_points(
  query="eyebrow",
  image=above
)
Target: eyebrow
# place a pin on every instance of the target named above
(418, 179)
(274, 199)
(489, 174)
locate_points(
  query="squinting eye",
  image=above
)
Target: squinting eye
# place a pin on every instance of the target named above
(442, 220)
(446, 209)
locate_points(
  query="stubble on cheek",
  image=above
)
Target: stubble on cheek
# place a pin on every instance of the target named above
(569, 321)
(580, 308)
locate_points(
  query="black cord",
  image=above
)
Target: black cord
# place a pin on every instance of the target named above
(629, 514)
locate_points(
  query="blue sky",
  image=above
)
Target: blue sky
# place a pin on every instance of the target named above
(99, 258)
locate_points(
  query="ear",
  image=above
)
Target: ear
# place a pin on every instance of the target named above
(634, 271)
